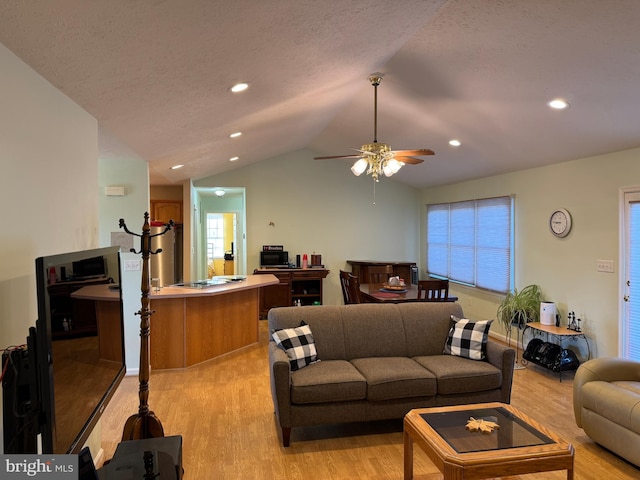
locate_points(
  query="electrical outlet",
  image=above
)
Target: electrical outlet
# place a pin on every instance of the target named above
(604, 266)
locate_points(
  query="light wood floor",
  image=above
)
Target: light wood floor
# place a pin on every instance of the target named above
(224, 412)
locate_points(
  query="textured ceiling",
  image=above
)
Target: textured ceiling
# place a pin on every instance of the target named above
(156, 76)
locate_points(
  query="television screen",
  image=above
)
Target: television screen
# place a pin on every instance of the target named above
(89, 267)
(80, 343)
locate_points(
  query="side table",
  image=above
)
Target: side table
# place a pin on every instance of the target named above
(560, 333)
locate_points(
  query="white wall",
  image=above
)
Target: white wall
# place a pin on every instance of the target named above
(322, 207)
(119, 166)
(50, 186)
(564, 268)
(48, 154)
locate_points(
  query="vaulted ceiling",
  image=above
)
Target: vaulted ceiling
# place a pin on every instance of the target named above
(156, 75)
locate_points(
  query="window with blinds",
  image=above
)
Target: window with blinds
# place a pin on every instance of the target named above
(471, 242)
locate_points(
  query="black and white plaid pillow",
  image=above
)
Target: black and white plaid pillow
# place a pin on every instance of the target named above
(468, 339)
(299, 345)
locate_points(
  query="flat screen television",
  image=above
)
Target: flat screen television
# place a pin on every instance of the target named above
(80, 348)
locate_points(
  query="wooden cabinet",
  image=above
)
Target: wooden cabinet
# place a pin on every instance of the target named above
(72, 317)
(229, 267)
(165, 210)
(360, 268)
(296, 284)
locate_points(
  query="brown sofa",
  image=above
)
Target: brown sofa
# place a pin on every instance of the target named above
(606, 404)
(378, 361)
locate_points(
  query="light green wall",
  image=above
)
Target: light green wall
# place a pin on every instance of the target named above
(564, 268)
(119, 166)
(321, 207)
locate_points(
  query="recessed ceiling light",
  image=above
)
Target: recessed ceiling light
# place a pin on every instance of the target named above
(176, 167)
(220, 193)
(239, 87)
(233, 159)
(558, 104)
(235, 134)
(455, 143)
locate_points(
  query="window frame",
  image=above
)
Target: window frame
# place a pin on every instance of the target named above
(217, 246)
(447, 236)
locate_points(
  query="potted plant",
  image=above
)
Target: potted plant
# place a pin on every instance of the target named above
(520, 307)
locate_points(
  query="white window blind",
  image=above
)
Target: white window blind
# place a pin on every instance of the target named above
(471, 242)
(631, 332)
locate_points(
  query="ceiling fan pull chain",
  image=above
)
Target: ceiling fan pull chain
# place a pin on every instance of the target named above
(374, 193)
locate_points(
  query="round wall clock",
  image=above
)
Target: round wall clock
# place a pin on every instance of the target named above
(560, 222)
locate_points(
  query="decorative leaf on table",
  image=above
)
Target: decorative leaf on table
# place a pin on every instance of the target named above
(480, 425)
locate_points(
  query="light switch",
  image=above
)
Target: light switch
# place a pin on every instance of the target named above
(132, 265)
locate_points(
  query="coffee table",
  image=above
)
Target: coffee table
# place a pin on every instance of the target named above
(519, 446)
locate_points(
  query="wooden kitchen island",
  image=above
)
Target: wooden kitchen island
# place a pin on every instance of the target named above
(192, 325)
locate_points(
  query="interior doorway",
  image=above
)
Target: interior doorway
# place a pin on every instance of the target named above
(221, 239)
(220, 229)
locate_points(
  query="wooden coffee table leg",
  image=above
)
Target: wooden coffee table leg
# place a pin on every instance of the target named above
(408, 456)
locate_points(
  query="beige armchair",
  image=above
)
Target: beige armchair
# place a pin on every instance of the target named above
(606, 404)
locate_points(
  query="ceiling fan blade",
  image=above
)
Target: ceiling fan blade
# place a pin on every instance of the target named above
(338, 156)
(413, 153)
(409, 160)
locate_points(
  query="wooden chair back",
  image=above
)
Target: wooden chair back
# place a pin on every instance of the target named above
(350, 287)
(433, 290)
(380, 273)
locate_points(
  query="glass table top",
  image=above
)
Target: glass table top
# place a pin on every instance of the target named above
(513, 432)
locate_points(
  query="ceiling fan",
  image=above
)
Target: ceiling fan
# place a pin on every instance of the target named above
(378, 158)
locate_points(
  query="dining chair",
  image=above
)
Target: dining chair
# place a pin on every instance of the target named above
(350, 287)
(433, 290)
(379, 273)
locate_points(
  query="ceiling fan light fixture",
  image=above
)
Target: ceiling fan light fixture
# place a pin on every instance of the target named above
(377, 158)
(359, 167)
(391, 167)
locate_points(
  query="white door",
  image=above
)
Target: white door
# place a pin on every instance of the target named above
(630, 312)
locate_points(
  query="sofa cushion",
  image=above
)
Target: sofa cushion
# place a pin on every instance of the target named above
(327, 381)
(376, 330)
(468, 339)
(618, 402)
(461, 375)
(395, 377)
(298, 344)
(426, 329)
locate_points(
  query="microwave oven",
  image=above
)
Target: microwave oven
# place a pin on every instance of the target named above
(274, 259)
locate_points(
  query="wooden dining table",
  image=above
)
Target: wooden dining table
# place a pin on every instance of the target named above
(376, 293)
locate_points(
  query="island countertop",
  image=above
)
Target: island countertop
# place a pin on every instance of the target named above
(192, 325)
(105, 293)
